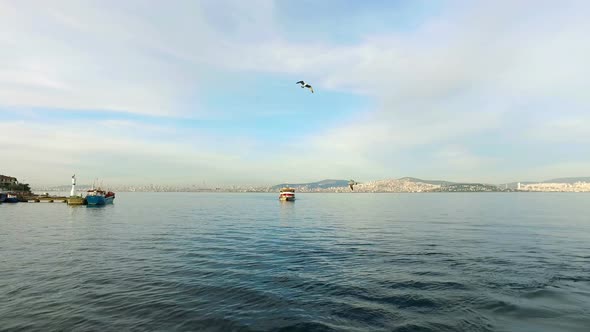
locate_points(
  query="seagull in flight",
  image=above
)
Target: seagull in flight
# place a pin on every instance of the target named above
(351, 184)
(305, 85)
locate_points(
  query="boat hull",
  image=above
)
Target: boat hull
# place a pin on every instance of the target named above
(287, 198)
(10, 199)
(99, 200)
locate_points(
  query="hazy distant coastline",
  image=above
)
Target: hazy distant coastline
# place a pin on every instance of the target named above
(401, 185)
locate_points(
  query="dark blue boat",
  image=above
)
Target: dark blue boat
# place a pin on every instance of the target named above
(99, 197)
(10, 198)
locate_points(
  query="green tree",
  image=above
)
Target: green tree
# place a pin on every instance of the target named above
(17, 187)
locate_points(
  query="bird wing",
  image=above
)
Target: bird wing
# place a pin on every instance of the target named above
(311, 89)
(300, 82)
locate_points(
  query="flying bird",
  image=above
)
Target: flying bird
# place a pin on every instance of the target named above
(351, 184)
(305, 85)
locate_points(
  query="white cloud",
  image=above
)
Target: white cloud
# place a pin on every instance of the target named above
(107, 55)
(48, 152)
(462, 75)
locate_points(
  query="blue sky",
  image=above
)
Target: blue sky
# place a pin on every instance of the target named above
(179, 92)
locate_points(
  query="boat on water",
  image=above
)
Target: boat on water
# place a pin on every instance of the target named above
(287, 194)
(99, 197)
(10, 198)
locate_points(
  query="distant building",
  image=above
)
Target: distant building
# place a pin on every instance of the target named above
(7, 180)
(518, 186)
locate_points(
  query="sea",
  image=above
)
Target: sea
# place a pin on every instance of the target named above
(326, 262)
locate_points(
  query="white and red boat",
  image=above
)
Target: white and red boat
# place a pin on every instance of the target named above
(287, 194)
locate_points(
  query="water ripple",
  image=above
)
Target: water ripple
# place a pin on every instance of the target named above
(228, 262)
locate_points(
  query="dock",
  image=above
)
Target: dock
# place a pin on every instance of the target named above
(44, 199)
(73, 199)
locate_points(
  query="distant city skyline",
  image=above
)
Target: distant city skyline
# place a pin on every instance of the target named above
(192, 92)
(405, 184)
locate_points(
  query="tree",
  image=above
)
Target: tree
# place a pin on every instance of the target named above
(17, 187)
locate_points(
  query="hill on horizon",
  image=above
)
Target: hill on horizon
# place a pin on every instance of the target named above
(332, 183)
(569, 180)
(328, 183)
(434, 182)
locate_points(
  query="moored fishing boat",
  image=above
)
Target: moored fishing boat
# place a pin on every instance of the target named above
(11, 198)
(287, 194)
(99, 197)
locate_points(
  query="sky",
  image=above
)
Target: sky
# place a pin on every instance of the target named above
(203, 92)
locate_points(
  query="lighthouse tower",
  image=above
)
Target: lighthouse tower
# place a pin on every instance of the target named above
(73, 192)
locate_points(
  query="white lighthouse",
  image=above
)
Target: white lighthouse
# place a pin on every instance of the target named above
(73, 192)
(518, 186)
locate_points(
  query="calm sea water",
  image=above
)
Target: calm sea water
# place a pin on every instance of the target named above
(327, 262)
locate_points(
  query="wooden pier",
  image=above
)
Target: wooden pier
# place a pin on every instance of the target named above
(54, 199)
(44, 199)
